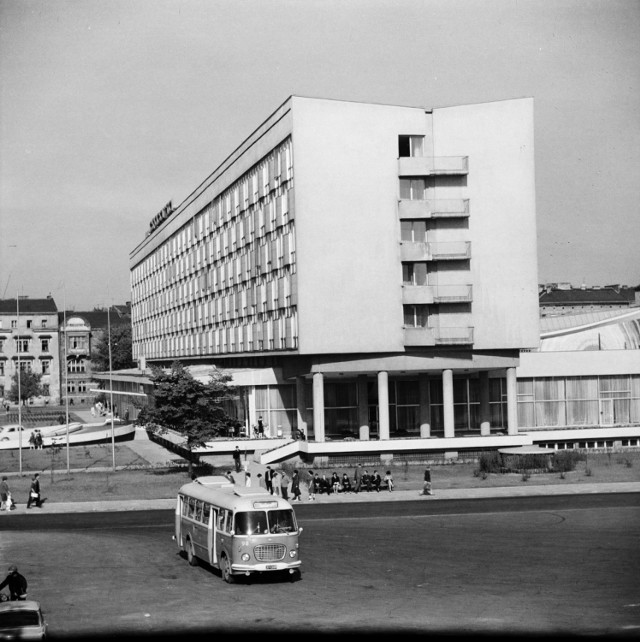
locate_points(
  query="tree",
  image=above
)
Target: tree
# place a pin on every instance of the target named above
(187, 406)
(30, 386)
(121, 350)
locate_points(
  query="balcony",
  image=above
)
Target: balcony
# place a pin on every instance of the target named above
(417, 294)
(447, 251)
(450, 251)
(453, 294)
(433, 208)
(453, 335)
(415, 337)
(433, 165)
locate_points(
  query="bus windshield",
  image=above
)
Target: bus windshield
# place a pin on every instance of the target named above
(259, 522)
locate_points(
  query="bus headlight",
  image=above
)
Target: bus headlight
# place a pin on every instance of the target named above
(246, 557)
(292, 553)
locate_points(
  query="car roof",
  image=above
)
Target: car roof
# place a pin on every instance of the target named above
(19, 605)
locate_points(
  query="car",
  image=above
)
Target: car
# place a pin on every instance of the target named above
(22, 620)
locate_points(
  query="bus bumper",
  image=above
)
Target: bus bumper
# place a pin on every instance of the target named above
(266, 567)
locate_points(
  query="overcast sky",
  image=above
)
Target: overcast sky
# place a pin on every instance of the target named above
(112, 108)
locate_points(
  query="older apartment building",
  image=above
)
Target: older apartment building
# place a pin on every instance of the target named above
(366, 271)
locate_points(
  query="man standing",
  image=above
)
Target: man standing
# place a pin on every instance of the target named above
(4, 494)
(236, 458)
(34, 492)
(17, 584)
(268, 479)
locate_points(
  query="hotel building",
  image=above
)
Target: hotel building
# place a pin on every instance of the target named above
(365, 271)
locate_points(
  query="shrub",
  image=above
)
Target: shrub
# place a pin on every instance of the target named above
(490, 462)
(566, 460)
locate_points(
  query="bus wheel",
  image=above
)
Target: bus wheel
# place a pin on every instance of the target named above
(191, 556)
(225, 567)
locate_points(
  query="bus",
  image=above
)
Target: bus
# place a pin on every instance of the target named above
(236, 529)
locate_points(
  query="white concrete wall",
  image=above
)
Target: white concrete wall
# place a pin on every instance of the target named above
(498, 139)
(347, 228)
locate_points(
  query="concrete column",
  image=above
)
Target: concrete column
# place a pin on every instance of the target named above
(301, 405)
(363, 407)
(253, 416)
(424, 417)
(383, 405)
(512, 402)
(447, 403)
(318, 407)
(485, 410)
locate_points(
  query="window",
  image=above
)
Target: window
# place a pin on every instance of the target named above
(413, 231)
(29, 323)
(22, 345)
(2, 372)
(416, 316)
(413, 189)
(43, 323)
(410, 146)
(46, 366)
(14, 323)
(44, 345)
(414, 273)
(1, 344)
(46, 390)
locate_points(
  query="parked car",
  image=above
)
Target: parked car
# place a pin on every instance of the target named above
(22, 620)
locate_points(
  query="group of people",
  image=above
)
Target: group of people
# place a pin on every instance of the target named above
(35, 440)
(7, 502)
(362, 481)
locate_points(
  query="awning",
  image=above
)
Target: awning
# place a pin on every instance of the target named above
(526, 450)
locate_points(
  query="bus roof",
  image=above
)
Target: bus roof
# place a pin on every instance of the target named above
(220, 491)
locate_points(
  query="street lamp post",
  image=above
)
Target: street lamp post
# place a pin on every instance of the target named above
(113, 439)
(66, 370)
(19, 377)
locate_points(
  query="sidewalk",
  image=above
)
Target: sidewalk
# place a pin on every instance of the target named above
(362, 497)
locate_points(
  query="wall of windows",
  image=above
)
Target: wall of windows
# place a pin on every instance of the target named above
(549, 402)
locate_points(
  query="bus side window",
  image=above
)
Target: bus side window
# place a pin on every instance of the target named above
(192, 507)
(220, 517)
(198, 511)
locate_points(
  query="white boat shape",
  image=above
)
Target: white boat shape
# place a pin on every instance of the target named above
(78, 434)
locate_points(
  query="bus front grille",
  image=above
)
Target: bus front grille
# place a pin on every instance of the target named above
(269, 552)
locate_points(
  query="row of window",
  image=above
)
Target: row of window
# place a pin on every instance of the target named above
(277, 333)
(73, 366)
(156, 294)
(29, 323)
(269, 295)
(199, 511)
(23, 344)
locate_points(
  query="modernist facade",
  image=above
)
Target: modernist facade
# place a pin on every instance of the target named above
(368, 271)
(29, 340)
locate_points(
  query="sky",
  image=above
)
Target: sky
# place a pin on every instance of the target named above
(111, 108)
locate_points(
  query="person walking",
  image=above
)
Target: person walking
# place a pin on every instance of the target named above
(284, 485)
(388, 478)
(236, 458)
(39, 442)
(295, 486)
(312, 486)
(34, 492)
(357, 478)
(261, 482)
(5, 503)
(426, 488)
(17, 584)
(275, 482)
(247, 479)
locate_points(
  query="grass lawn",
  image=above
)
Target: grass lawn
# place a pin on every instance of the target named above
(140, 481)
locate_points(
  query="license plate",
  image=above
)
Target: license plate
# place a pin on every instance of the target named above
(271, 567)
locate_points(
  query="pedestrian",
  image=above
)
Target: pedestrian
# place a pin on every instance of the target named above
(284, 485)
(32, 441)
(295, 486)
(275, 482)
(357, 478)
(17, 584)
(34, 492)
(268, 478)
(236, 458)
(388, 479)
(39, 443)
(312, 486)
(260, 427)
(126, 416)
(426, 488)
(230, 477)
(5, 503)
(261, 482)
(247, 479)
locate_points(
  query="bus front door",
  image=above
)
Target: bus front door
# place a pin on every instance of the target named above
(211, 536)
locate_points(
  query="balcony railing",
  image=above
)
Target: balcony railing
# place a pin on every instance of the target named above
(419, 337)
(446, 251)
(433, 208)
(453, 335)
(432, 165)
(417, 294)
(453, 294)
